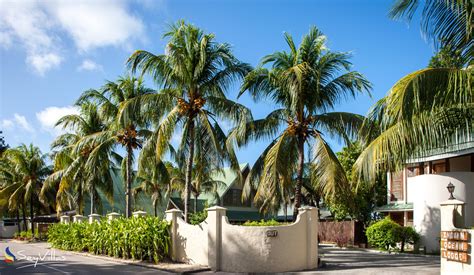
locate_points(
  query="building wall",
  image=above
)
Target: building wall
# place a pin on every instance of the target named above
(427, 191)
(460, 164)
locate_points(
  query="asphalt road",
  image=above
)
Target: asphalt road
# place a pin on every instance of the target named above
(38, 258)
(337, 261)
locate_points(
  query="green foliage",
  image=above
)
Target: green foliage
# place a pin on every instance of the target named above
(446, 57)
(263, 223)
(198, 217)
(408, 235)
(140, 238)
(364, 198)
(384, 233)
(23, 235)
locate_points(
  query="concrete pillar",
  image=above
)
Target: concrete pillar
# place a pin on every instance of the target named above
(452, 214)
(310, 216)
(113, 216)
(171, 216)
(139, 214)
(94, 218)
(78, 218)
(214, 218)
(65, 219)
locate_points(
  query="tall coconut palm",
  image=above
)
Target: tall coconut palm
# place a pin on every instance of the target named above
(195, 73)
(71, 152)
(424, 110)
(130, 134)
(306, 82)
(11, 190)
(449, 22)
(30, 167)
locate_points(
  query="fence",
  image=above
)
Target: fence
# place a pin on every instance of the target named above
(351, 231)
(226, 247)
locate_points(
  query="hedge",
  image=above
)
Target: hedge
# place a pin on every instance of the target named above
(139, 238)
(386, 233)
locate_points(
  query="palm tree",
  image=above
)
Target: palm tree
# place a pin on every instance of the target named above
(30, 167)
(424, 110)
(71, 152)
(129, 132)
(11, 190)
(450, 22)
(154, 181)
(195, 73)
(305, 82)
(202, 181)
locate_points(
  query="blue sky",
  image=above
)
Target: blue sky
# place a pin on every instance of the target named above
(51, 51)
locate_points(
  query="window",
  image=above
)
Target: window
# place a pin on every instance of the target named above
(415, 171)
(439, 167)
(396, 186)
(233, 197)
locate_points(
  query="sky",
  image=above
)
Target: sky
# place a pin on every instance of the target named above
(51, 51)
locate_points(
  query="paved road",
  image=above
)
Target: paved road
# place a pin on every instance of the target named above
(59, 262)
(342, 261)
(337, 261)
(363, 262)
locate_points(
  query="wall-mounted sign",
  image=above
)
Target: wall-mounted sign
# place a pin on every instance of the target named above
(455, 246)
(272, 233)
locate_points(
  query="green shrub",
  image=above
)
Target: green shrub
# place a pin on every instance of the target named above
(408, 235)
(198, 217)
(140, 238)
(384, 233)
(263, 223)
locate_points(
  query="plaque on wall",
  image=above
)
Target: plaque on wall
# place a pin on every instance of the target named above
(455, 246)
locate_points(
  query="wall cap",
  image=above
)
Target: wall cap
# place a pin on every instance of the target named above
(452, 202)
(114, 214)
(174, 210)
(216, 208)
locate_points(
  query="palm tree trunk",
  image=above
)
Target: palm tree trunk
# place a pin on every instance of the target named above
(195, 202)
(18, 219)
(32, 216)
(92, 200)
(299, 178)
(155, 204)
(23, 208)
(189, 170)
(128, 190)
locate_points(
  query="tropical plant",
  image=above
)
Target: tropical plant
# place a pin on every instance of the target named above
(140, 238)
(195, 73)
(424, 110)
(72, 175)
(29, 172)
(263, 223)
(3, 144)
(306, 83)
(448, 22)
(384, 233)
(364, 198)
(154, 180)
(10, 201)
(130, 134)
(408, 235)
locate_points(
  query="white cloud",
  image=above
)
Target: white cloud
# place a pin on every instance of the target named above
(49, 116)
(94, 24)
(89, 65)
(40, 26)
(7, 124)
(17, 122)
(45, 62)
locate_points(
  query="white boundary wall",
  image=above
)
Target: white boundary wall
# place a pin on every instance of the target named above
(226, 247)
